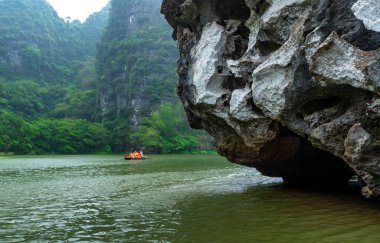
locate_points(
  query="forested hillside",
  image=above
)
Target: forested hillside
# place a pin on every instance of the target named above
(137, 75)
(48, 94)
(107, 84)
(37, 44)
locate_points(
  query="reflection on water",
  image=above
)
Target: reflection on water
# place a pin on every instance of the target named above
(278, 214)
(169, 198)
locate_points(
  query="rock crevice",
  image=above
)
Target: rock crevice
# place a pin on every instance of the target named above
(290, 87)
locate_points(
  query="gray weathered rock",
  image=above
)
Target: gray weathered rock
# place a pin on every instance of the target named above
(369, 12)
(290, 87)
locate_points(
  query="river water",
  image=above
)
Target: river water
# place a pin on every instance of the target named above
(187, 198)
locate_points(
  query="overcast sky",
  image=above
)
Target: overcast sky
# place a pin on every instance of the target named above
(77, 9)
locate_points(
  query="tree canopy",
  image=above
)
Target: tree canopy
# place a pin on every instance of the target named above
(104, 85)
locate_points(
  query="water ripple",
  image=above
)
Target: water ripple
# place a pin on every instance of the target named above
(168, 199)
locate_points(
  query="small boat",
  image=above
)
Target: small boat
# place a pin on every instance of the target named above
(129, 158)
(135, 156)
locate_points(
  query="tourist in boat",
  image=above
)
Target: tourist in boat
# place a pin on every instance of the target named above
(135, 155)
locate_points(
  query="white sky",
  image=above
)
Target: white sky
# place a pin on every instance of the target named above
(77, 9)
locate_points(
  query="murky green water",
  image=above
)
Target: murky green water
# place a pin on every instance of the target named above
(169, 199)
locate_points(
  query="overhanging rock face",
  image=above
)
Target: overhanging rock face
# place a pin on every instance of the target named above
(290, 87)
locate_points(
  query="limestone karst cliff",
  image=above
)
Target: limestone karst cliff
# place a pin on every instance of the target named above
(35, 43)
(135, 61)
(290, 87)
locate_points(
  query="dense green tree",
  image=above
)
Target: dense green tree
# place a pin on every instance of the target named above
(24, 97)
(15, 134)
(45, 135)
(69, 136)
(77, 103)
(85, 74)
(166, 131)
(67, 88)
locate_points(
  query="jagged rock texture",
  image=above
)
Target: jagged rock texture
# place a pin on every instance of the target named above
(290, 87)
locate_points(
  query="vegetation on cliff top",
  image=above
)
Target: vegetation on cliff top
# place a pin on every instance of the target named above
(52, 79)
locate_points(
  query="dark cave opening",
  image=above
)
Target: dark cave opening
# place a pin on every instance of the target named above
(297, 161)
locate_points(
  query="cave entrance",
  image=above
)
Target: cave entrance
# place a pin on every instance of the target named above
(297, 161)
